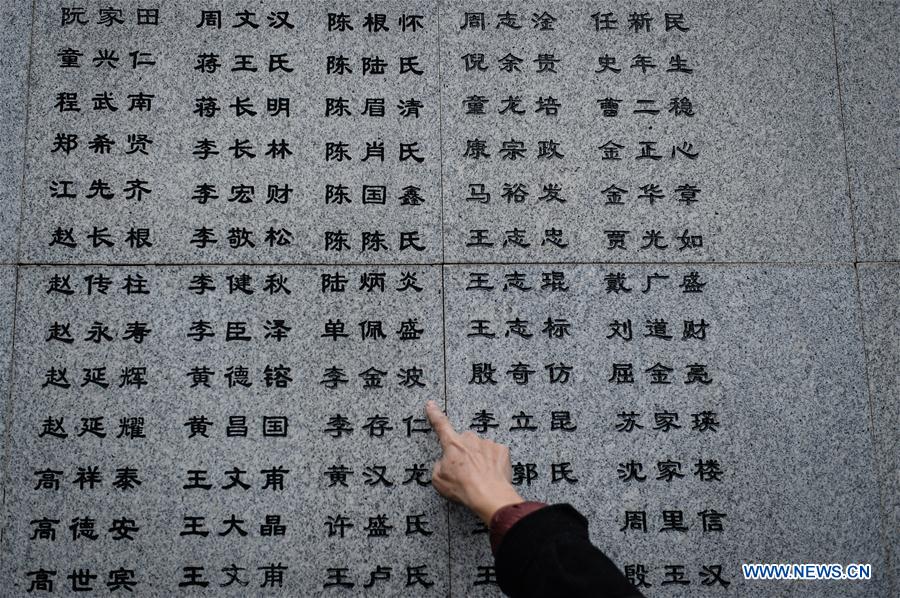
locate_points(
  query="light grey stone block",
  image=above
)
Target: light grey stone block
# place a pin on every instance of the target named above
(767, 128)
(168, 401)
(172, 169)
(15, 34)
(785, 361)
(866, 41)
(879, 287)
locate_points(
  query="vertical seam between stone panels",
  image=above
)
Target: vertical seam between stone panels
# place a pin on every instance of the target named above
(882, 529)
(440, 99)
(882, 532)
(7, 406)
(19, 224)
(440, 132)
(837, 70)
(446, 410)
(7, 412)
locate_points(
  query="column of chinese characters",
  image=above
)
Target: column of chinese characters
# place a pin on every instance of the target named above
(377, 112)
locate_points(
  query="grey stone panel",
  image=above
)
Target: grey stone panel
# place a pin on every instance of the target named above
(784, 358)
(879, 286)
(866, 41)
(770, 166)
(172, 168)
(7, 303)
(15, 34)
(171, 398)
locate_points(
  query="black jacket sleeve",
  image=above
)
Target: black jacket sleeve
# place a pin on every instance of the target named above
(548, 553)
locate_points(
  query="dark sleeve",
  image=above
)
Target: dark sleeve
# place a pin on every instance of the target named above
(548, 553)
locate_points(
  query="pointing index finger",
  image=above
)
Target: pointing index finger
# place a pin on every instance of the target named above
(440, 422)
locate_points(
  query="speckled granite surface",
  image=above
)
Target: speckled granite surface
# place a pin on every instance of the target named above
(171, 447)
(786, 367)
(171, 169)
(767, 116)
(7, 303)
(879, 286)
(15, 27)
(783, 369)
(866, 41)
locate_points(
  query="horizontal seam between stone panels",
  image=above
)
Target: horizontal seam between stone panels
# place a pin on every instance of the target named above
(474, 263)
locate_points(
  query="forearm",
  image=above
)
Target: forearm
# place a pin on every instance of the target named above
(548, 553)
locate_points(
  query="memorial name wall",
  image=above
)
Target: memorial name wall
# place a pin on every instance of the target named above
(651, 246)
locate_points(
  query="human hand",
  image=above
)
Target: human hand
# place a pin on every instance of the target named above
(473, 471)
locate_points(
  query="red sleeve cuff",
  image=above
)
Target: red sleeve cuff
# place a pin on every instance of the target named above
(508, 516)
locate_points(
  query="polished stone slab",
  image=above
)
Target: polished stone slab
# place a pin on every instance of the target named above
(785, 364)
(866, 42)
(765, 178)
(879, 287)
(190, 414)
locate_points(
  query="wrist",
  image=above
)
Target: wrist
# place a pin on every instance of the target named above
(493, 499)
